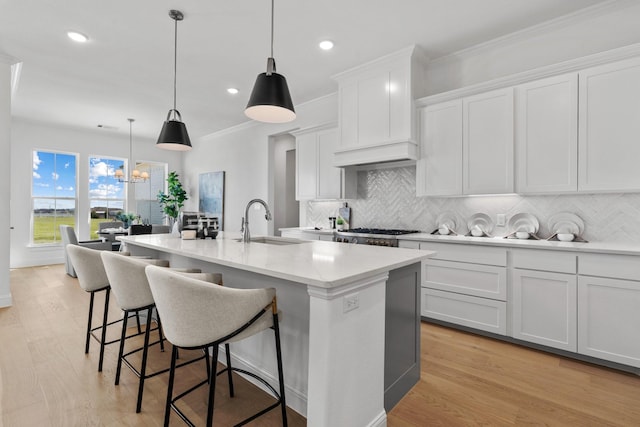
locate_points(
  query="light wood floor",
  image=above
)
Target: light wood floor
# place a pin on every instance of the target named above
(467, 380)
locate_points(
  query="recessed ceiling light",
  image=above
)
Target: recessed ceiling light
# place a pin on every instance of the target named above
(77, 37)
(326, 45)
(232, 90)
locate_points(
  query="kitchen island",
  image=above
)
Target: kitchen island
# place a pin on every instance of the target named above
(350, 329)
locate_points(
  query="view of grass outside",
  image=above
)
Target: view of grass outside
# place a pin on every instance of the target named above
(46, 229)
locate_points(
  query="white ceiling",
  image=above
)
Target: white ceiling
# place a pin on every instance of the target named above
(126, 70)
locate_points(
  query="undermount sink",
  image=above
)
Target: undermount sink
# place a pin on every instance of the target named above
(274, 240)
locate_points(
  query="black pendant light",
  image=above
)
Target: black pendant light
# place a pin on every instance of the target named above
(173, 135)
(270, 100)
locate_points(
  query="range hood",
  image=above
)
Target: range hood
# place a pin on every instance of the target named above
(389, 151)
(377, 115)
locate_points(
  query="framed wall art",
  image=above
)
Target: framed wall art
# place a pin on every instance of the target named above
(211, 194)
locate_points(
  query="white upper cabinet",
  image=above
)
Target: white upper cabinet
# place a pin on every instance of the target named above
(439, 169)
(609, 119)
(329, 176)
(547, 135)
(376, 109)
(316, 177)
(488, 143)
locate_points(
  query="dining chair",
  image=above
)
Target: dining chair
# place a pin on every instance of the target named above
(68, 235)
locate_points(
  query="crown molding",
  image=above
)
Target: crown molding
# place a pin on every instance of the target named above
(573, 65)
(535, 30)
(8, 59)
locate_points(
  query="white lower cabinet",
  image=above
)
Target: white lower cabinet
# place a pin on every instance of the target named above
(543, 297)
(586, 303)
(466, 285)
(543, 308)
(609, 319)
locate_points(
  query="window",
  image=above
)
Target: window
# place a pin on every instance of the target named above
(147, 205)
(106, 194)
(53, 195)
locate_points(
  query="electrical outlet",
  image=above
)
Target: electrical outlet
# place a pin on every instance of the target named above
(501, 220)
(350, 302)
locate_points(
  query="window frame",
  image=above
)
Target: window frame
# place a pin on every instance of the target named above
(75, 199)
(90, 199)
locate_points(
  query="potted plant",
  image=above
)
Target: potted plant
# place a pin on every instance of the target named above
(340, 223)
(126, 218)
(174, 199)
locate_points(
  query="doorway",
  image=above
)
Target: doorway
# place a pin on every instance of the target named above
(286, 209)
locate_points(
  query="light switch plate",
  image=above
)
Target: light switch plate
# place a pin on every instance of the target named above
(350, 302)
(501, 220)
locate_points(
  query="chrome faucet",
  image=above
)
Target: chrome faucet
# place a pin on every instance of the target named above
(246, 236)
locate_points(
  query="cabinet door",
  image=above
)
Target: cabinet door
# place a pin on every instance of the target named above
(306, 166)
(439, 170)
(329, 176)
(544, 308)
(488, 143)
(609, 127)
(547, 135)
(609, 319)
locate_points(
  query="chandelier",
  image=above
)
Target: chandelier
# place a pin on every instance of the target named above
(136, 175)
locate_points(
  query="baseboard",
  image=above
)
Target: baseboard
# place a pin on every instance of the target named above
(380, 420)
(296, 399)
(6, 300)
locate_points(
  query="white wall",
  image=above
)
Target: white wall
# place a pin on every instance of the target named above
(243, 153)
(5, 177)
(27, 136)
(615, 24)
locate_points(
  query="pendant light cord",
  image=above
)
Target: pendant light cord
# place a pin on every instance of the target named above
(130, 147)
(175, 63)
(272, 1)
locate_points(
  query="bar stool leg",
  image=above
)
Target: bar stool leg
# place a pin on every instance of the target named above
(143, 369)
(105, 320)
(283, 404)
(212, 387)
(206, 360)
(172, 375)
(121, 350)
(229, 376)
(161, 337)
(86, 345)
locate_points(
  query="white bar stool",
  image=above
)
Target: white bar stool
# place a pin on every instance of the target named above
(131, 288)
(197, 315)
(93, 278)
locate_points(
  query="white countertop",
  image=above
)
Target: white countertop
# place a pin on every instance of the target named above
(596, 247)
(317, 263)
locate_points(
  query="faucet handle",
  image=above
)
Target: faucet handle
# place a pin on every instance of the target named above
(242, 226)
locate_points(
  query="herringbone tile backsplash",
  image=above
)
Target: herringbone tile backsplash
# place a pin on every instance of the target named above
(386, 199)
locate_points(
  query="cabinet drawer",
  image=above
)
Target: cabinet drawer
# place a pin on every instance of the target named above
(544, 261)
(470, 279)
(616, 266)
(410, 244)
(479, 313)
(467, 253)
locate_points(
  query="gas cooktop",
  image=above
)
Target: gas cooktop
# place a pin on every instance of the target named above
(381, 231)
